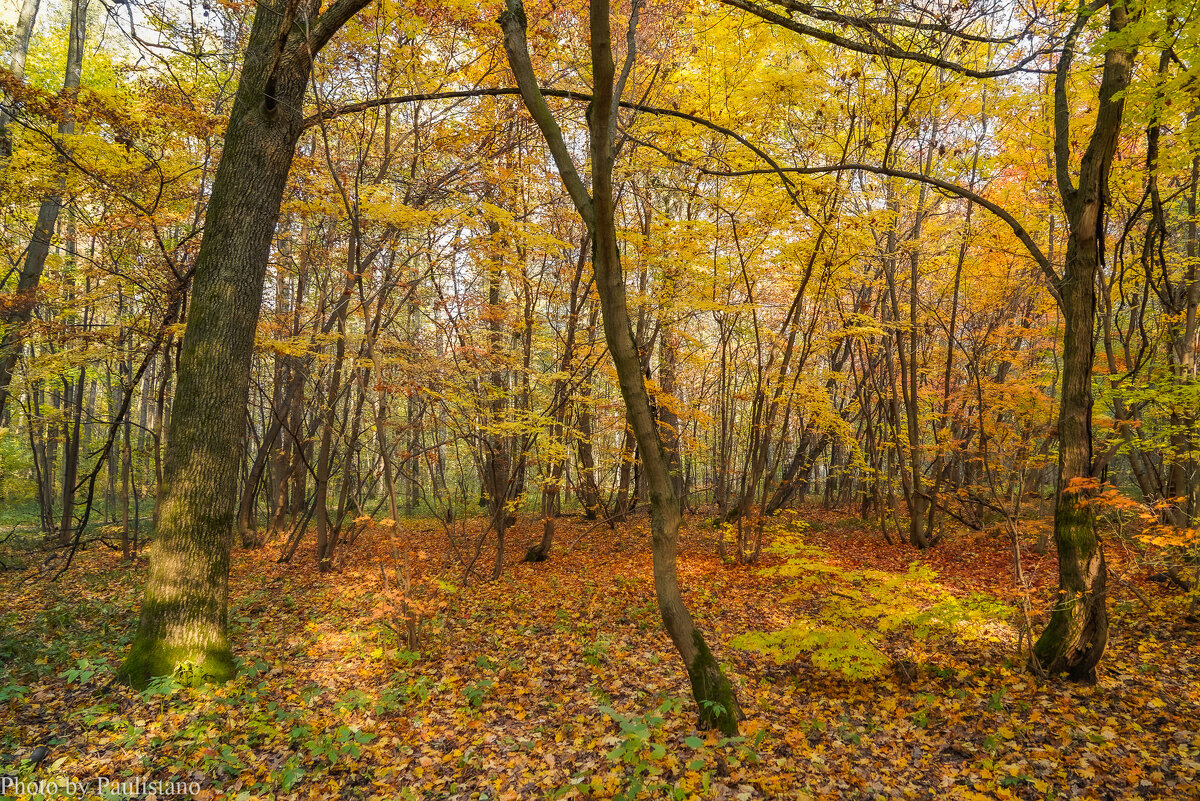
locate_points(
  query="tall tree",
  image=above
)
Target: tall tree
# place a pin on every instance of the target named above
(1074, 639)
(1077, 632)
(184, 619)
(17, 315)
(716, 697)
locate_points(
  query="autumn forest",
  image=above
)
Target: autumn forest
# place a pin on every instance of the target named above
(723, 399)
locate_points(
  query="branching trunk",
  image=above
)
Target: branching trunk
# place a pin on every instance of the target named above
(1077, 633)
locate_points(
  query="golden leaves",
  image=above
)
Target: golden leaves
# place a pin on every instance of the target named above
(557, 682)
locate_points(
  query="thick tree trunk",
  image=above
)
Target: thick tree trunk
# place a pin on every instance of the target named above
(1078, 630)
(184, 619)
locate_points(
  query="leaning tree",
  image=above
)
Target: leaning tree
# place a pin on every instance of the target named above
(185, 609)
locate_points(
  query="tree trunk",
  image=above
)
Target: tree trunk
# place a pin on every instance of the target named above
(1077, 633)
(713, 693)
(184, 619)
(326, 533)
(16, 66)
(561, 408)
(587, 489)
(18, 314)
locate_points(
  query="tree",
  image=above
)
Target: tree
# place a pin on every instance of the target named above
(184, 618)
(19, 313)
(713, 693)
(1075, 636)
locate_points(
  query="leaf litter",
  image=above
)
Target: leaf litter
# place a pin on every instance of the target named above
(557, 681)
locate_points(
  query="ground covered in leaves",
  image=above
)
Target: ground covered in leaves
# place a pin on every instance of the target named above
(557, 682)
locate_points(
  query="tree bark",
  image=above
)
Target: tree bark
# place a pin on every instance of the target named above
(1077, 633)
(184, 619)
(20, 312)
(16, 66)
(713, 693)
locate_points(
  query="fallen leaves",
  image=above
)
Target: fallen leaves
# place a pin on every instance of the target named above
(557, 682)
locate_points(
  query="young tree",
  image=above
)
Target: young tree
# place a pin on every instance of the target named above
(715, 695)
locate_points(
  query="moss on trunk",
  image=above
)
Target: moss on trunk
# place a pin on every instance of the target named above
(189, 665)
(719, 707)
(1074, 639)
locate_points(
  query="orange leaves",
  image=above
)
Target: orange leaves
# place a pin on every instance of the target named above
(556, 682)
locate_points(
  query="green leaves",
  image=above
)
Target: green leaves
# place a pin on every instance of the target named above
(843, 615)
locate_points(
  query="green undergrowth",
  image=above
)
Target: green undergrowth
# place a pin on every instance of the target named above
(847, 620)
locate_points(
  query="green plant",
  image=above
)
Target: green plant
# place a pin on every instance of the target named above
(82, 673)
(640, 749)
(477, 691)
(858, 610)
(596, 653)
(343, 744)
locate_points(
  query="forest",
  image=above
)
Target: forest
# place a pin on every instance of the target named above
(689, 399)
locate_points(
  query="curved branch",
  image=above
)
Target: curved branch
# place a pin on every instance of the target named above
(330, 22)
(868, 24)
(565, 94)
(1052, 277)
(513, 23)
(884, 47)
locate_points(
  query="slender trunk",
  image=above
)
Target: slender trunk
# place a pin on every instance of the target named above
(713, 693)
(327, 539)
(16, 66)
(587, 489)
(18, 314)
(561, 408)
(498, 465)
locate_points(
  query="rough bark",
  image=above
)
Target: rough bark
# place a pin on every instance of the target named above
(1077, 633)
(184, 618)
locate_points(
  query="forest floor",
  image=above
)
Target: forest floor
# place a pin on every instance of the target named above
(557, 681)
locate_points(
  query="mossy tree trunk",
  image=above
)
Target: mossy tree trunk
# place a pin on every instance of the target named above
(714, 694)
(1077, 633)
(184, 619)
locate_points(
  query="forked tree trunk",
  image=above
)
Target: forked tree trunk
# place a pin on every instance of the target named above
(714, 694)
(1077, 632)
(184, 620)
(560, 403)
